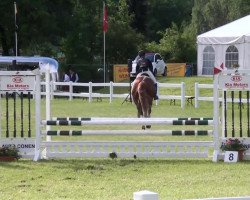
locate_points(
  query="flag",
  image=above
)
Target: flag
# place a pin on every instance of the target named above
(105, 18)
(218, 69)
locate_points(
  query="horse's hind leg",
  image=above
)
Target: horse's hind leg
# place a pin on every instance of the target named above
(145, 114)
(139, 110)
(149, 112)
(140, 114)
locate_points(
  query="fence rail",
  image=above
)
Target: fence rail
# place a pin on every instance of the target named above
(58, 89)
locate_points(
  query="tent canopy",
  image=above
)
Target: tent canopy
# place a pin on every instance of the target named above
(236, 32)
(43, 62)
(228, 44)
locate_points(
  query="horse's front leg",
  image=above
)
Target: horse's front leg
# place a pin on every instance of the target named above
(148, 116)
(140, 115)
(148, 126)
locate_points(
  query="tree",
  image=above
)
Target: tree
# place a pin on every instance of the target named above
(174, 46)
(42, 25)
(210, 14)
(138, 9)
(122, 40)
(7, 26)
(162, 13)
(83, 39)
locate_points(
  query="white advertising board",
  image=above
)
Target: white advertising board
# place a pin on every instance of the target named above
(26, 146)
(234, 82)
(17, 83)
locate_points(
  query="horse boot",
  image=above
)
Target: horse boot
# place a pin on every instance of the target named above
(156, 96)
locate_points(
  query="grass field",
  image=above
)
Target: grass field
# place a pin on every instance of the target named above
(107, 179)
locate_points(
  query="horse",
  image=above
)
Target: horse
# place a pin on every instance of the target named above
(143, 92)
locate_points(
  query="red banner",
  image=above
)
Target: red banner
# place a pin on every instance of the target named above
(105, 18)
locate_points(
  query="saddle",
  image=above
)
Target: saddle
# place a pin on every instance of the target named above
(145, 74)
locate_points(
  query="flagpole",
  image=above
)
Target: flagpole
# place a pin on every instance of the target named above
(104, 49)
(15, 12)
(104, 56)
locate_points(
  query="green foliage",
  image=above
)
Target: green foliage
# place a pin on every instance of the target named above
(138, 9)
(209, 14)
(175, 46)
(9, 152)
(122, 40)
(40, 26)
(163, 13)
(80, 43)
(6, 26)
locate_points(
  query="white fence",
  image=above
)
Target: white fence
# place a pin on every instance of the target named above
(110, 94)
(198, 97)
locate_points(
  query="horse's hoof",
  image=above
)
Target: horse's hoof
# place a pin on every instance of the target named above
(143, 127)
(148, 126)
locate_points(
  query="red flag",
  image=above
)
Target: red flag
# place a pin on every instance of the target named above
(218, 69)
(105, 18)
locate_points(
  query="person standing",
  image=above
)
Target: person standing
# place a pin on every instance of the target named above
(73, 76)
(65, 79)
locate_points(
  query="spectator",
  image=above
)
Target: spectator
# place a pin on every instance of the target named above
(65, 79)
(73, 76)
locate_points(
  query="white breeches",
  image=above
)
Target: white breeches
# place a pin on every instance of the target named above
(150, 74)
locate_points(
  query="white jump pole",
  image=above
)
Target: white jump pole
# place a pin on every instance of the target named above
(145, 195)
(216, 119)
(48, 96)
(38, 115)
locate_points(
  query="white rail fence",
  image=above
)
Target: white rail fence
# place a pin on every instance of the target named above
(89, 87)
(110, 93)
(198, 97)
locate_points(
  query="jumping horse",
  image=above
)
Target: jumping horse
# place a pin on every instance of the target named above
(143, 92)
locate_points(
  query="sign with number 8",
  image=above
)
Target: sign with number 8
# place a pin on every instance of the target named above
(231, 156)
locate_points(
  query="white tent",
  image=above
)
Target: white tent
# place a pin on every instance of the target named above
(44, 63)
(228, 44)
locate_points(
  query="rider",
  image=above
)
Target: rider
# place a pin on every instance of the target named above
(144, 66)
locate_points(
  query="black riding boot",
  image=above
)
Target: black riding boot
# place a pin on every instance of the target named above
(156, 96)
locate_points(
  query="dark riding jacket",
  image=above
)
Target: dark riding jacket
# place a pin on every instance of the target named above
(72, 77)
(144, 64)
